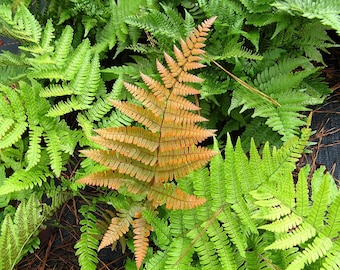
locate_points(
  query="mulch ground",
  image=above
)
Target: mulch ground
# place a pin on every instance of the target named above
(57, 242)
(326, 121)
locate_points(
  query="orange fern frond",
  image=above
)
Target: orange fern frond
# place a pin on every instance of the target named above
(143, 159)
(110, 179)
(184, 90)
(139, 114)
(137, 153)
(141, 230)
(131, 135)
(173, 197)
(174, 101)
(119, 226)
(170, 79)
(146, 98)
(121, 164)
(158, 194)
(167, 149)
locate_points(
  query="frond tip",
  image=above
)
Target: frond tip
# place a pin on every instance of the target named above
(141, 238)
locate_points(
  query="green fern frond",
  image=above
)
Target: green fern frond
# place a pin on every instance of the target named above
(6, 124)
(231, 14)
(302, 202)
(117, 72)
(179, 249)
(234, 229)
(11, 104)
(332, 220)
(320, 202)
(91, 83)
(234, 187)
(157, 262)
(64, 107)
(298, 227)
(160, 28)
(58, 195)
(101, 110)
(232, 221)
(6, 14)
(116, 28)
(162, 25)
(22, 25)
(19, 234)
(258, 131)
(47, 37)
(160, 227)
(75, 61)
(88, 243)
(256, 257)
(24, 103)
(23, 180)
(10, 72)
(256, 6)
(265, 82)
(83, 86)
(13, 135)
(53, 149)
(44, 46)
(205, 249)
(56, 90)
(332, 260)
(326, 11)
(63, 47)
(222, 245)
(218, 191)
(240, 51)
(285, 119)
(79, 72)
(76, 68)
(33, 152)
(316, 184)
(318, 248)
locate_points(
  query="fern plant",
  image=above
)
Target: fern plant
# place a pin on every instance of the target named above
(74, 79)
(19, 232)
(230, 215)
(15, 239)
(326, 11)
(249, 35)
(88, 243)
(255, 216)
(146, 160)
(163, 25)
(278, 81)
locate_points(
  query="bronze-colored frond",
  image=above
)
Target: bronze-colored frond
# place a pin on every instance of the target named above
(131, 135)
(173, 197)
(141, 229)
(146, 160)
(139, 114)
(119, 226)
(166, 149)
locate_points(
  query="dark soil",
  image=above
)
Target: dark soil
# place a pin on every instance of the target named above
(326, 119)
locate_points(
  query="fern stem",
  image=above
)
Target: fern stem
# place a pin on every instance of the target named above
(28, 238)
(210, 221)
(249, 87)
